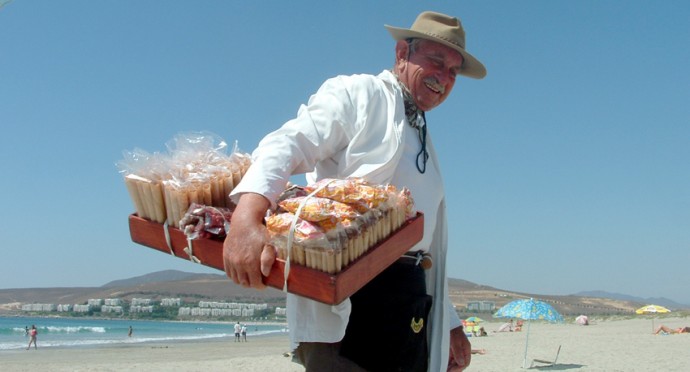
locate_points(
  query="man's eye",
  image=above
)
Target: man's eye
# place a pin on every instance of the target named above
(436, 61)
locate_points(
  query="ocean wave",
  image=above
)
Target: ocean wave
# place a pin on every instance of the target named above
(55, 329)
(110, 341)
(72, 329)
(93, 342)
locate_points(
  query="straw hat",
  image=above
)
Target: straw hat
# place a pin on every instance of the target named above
(445, 30)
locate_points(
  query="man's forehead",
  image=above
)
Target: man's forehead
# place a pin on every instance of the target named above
(439, 49)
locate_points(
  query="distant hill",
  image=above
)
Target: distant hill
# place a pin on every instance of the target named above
(159, 276)
(588, 303)
(192, 287)
(670, 304)
(467, 285)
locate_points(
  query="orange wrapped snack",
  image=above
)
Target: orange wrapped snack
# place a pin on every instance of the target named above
(305, 233)
(317, 209)
(311, 246)
(354, 191)
(350, 216)
(304, 230)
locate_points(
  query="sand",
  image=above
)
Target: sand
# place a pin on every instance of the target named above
(605, 345)
(258, 354)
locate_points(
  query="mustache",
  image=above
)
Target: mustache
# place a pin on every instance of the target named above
(434, 84)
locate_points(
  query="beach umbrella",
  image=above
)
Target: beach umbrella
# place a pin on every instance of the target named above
(474, 319)
(582, 320)
(652, 309)
(472, 324)
(529, 309)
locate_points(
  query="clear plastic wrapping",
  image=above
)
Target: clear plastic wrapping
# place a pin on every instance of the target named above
(197, 168)
(339, 220)
(143, 173)
(317, 209)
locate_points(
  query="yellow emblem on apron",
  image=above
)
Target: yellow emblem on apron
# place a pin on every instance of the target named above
(417, 326)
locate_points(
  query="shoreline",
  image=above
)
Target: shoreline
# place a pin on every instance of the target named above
(604, 345)
(91, 334)
(134, 343)
(56, 316)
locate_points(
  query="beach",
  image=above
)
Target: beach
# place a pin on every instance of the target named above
(604, 345)
(257, 354)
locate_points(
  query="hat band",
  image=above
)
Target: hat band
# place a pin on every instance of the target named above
(444, 39)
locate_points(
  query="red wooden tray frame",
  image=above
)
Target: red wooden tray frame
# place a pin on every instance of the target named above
(320, 286)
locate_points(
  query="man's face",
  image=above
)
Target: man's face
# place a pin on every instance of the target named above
(429, 73)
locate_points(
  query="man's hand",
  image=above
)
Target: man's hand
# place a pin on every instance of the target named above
(460, 350)
(246, 252)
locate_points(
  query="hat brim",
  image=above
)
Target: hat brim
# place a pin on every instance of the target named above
(471, 67)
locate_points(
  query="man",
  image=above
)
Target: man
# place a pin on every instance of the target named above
(238, 329)
(506, 327)
(372, 127)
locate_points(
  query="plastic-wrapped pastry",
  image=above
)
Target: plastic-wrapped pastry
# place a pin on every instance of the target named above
(318, 209)
(339, 221)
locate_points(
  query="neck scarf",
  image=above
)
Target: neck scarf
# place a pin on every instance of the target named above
(417, 120)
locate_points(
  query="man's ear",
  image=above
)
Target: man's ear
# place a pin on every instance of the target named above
(402, 50)
(401, 53)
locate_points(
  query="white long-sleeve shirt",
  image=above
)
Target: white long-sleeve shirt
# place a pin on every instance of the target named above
(355, 126)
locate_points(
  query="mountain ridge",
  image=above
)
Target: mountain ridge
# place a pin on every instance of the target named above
(623, 297)
(193, 287)
(158, 276)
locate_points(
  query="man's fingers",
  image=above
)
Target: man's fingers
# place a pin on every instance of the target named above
(230, 271)
(234, 274)
(253, 279)
(453, 366)
(268, 257)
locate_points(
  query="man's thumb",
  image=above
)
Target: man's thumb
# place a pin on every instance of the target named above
(268, 256)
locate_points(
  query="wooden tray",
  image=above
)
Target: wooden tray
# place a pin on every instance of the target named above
(320, 286)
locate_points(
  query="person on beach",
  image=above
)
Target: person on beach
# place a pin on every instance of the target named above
(374, 127)
(27, 331)
(244, 333)
(33, 333)
(238, 330)
(670, 331)
(506, 327)
(518, 325)
(129, 333)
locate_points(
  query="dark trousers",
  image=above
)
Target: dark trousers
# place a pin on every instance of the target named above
(386, 330)
(321, 356)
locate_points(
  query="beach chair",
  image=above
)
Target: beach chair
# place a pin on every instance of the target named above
(544, 362)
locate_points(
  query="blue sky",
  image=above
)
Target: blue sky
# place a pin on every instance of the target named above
(566, 169)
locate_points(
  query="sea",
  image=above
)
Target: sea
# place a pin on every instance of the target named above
(57, 332)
